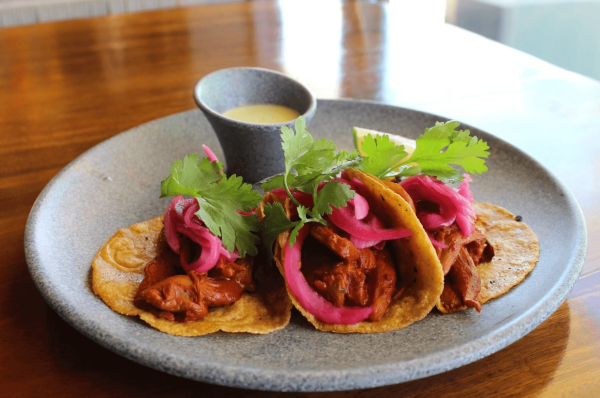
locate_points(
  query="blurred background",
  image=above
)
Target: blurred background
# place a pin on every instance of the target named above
(563, 32)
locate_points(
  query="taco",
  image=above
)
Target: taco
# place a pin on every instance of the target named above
(177, 275)
(484, 250)
(362, 263)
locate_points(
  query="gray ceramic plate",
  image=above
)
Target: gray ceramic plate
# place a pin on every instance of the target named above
(117, 183)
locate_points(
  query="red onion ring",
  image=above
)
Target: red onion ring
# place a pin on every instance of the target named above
(344, 219)
(180, 218)
(308, 298)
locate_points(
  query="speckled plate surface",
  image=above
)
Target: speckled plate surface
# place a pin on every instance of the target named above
(117, 183)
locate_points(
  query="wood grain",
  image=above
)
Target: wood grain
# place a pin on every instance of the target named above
(64, 87)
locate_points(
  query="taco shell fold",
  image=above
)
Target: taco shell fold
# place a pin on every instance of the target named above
(418, 269)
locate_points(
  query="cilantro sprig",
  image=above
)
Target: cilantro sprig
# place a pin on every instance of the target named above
(438, 150)
(382, 155)
(219, 198)
(308, 162)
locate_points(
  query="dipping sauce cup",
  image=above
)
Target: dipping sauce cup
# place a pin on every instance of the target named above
(252, 150)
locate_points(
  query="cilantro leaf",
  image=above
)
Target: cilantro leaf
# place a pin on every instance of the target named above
(407, 171)
(333, 194)
(273, 183)
(382, 155)
(218, 209)
(309, 182)
(188, 177)
(219, 198)
(461, 150)
(302, 213)
(313, 162)
(276, 222)
(437, 151)
(295, 145)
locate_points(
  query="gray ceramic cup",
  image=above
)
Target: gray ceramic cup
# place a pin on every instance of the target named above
(251, 150)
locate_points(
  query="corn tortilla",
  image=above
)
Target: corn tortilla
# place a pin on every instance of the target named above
(118, 270)
(516, 252)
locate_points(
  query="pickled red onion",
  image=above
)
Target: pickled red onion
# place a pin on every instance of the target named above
(455, 205)
(349, 218)
(466, 214)
(209, 154)
(359, 184)
(172, 218)
(308, 298)
(210, 244)
(180, 218)
(359, 243)
(436, 243)
(231, 257)
(188, 214)
(304, 198)
(465, 190)
(345, 220)
(361, 206)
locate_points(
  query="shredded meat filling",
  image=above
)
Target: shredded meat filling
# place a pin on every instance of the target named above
(187, 297)
(459, 261)
(453, 238)
(465, 278)
(346, 276)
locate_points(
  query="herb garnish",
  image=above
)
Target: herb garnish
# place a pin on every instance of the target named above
(383, 156)
(220, 198)
(314, 162)
(309, 162)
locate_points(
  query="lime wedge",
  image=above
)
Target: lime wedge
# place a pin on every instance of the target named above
(359, 134)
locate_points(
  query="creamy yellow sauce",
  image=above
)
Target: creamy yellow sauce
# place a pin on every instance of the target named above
(262, 113)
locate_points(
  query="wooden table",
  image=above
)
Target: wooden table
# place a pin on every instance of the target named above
(64, 87)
